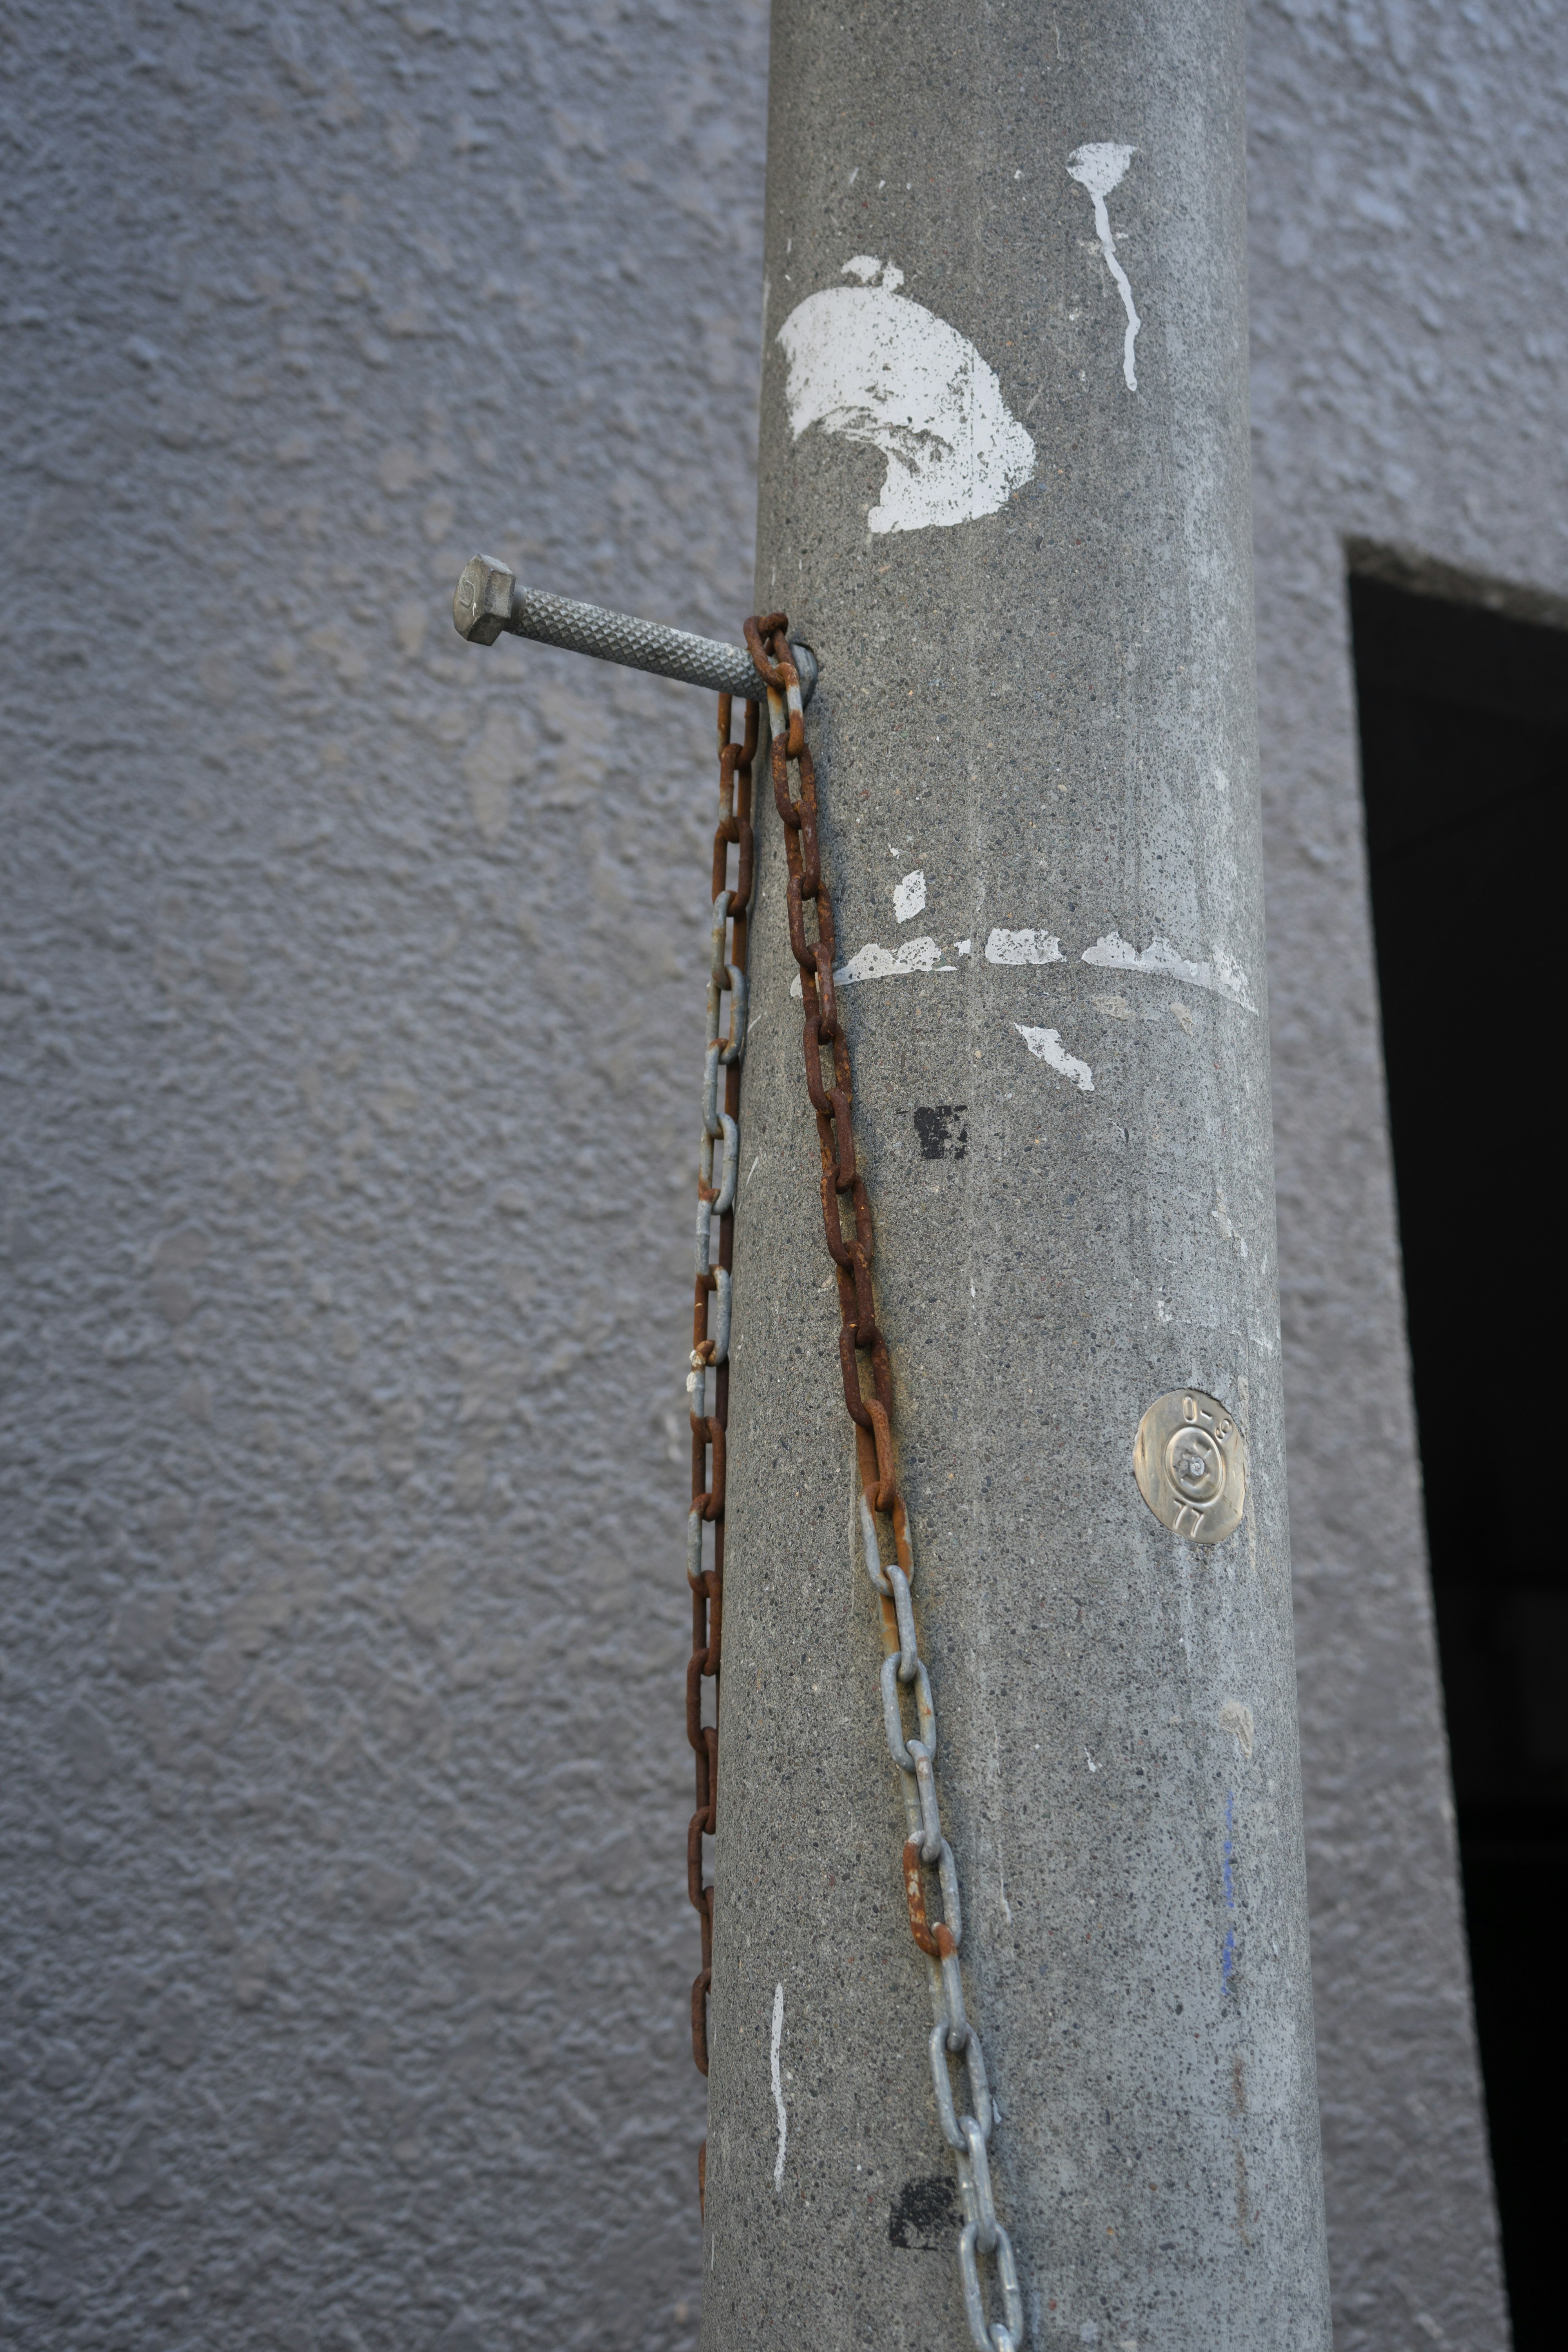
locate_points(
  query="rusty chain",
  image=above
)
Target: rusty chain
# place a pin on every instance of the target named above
(708, 1381)
(862, 1350)
(488, 601)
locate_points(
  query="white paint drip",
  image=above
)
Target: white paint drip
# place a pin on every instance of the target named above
(874, 962)
(1024, 947)
(874, 366)
(1224, 975)
(1100, 167)
(778, 2088)
(910, 898)
(1046, 1046)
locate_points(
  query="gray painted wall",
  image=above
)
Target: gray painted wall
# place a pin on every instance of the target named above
(353, 993)
(351, 1000)
(1410, 189)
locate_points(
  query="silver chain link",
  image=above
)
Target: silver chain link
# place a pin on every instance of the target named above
(708, 1378)
(954, 2035)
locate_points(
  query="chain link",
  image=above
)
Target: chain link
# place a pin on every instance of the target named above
(707, 1380)
(861, 1341)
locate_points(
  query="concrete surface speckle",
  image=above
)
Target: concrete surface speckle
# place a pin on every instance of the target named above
(1043, 699)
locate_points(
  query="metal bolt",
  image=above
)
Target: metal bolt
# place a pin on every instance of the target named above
(489, 598)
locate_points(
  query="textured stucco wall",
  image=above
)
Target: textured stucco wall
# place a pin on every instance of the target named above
(350, 1008)
(1409, 199)
(353, 995)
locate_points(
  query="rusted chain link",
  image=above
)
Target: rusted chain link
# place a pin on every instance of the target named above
(862, 1351)
(708, 1381)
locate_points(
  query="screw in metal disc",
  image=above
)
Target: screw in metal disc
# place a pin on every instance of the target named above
(1189, 1458)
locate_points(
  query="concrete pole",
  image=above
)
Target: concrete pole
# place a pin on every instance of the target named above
(1004, 496)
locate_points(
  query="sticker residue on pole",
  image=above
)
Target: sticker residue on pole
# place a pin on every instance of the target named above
(1024, 947)
(1046, 1046)
(910, 896)
(1224, 975)
(778, 2087)
(1100, 167)
(871, 364)
(875, 962)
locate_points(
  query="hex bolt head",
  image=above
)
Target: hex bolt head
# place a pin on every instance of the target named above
(482, 605)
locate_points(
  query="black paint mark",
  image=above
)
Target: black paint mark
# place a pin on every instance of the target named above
(943, 1131)
(924, 2215)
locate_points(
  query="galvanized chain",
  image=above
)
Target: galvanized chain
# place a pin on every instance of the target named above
(829, 1083)
(708, 1381)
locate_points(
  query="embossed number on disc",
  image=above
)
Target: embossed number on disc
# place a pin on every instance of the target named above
(1190, 1461)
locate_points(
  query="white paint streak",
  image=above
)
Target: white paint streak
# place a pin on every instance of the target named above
(874, 962)
(1224, 975)
(1024, 947)
(1228, 1232)
(1100, 167)
(1046, 1045)
(874, 366)
(778, 2088)
(910, 898)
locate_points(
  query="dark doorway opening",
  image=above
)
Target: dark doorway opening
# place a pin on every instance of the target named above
(1463, 736)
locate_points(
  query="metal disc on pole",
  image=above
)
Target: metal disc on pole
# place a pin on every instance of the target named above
(1004, 499)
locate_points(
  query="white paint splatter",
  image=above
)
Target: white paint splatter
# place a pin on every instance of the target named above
(874, 366)
(1100, 167)
(778, 2088)
(1090, 1762)
(910, 898)
(874, 962)
(962, 947)
(1224, 975)
(1024, 947)
(1046, 1046)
